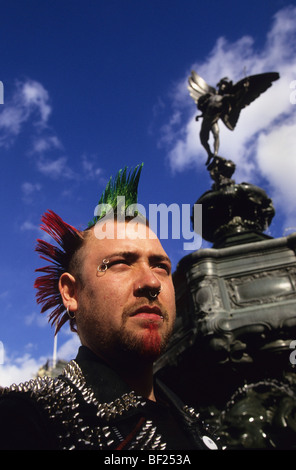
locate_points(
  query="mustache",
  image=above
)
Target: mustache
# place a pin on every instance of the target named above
(132, 309)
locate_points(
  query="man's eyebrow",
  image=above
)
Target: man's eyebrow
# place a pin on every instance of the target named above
(160, 258)
(124, 254)
(133, 255)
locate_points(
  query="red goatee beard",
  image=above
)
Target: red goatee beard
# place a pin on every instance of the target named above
(151, 342)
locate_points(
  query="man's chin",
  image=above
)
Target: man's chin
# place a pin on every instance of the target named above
(147, 346)
(152, 343)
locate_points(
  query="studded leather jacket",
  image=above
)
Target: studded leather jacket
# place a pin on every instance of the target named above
(90, 407)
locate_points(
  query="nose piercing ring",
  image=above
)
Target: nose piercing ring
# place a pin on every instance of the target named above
(153, 295)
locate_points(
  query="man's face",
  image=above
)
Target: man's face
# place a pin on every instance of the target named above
(115, 311)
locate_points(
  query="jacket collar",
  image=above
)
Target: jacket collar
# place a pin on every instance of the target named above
(107, 385)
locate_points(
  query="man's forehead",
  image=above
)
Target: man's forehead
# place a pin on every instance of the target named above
(124, 240)
(123, 229)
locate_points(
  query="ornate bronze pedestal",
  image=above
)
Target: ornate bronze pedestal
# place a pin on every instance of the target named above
(230, 356)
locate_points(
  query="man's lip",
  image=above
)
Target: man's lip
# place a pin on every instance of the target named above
(147, 309)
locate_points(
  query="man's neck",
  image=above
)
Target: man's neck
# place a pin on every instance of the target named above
(140, 379)
(137, 373)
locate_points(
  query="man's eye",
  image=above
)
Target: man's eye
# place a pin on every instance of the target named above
(119, 262)
(107, 264)
(163, 267)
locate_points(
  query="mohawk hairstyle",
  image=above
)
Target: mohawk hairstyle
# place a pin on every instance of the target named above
(70, 240)
(125, 184)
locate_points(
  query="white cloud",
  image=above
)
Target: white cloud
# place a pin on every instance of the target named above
(11, 120)
(29, 188)
(30, 101)
(17, 369)
(59, 167)
(68, 350)
(28, 226)
(55, 168)
(36, 319)
(276, 156)
(89, 167)
(35, 97)
(29, 191)
(265, 137)
(20, 369)
(44, 144)
(30, 104)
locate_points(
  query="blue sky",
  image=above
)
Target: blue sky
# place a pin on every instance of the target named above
(93, 85)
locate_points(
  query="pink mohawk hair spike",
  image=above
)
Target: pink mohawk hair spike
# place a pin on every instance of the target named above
(69, 240)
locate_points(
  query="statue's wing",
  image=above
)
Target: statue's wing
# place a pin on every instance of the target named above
(245, 92)
(198, 87)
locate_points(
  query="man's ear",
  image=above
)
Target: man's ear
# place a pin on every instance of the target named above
(68, 291)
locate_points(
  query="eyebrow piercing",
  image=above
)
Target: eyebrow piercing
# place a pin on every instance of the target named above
(103, 266)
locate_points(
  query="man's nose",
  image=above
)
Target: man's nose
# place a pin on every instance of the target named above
(146, 283)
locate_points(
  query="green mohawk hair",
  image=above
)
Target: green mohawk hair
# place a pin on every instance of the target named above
(124, 184)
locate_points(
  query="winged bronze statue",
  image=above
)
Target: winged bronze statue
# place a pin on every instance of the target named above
(224, 102)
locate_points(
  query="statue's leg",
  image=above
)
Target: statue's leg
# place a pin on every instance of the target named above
(215, 130)
(204, 138)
